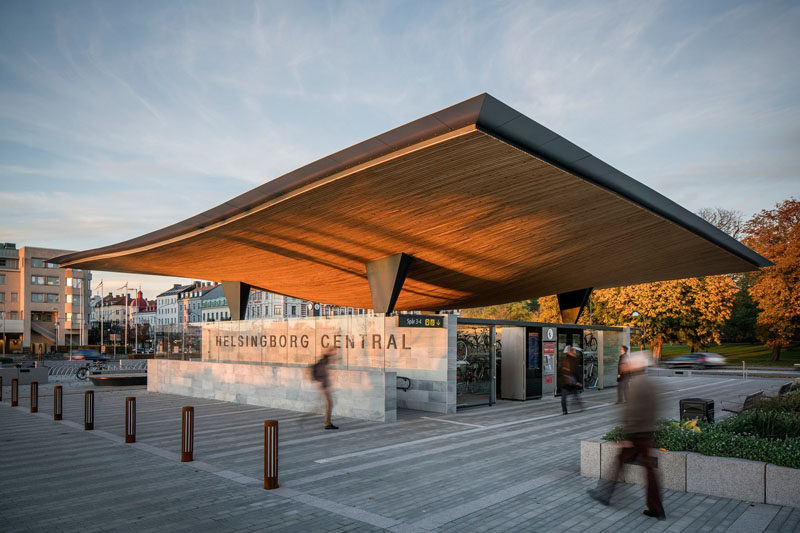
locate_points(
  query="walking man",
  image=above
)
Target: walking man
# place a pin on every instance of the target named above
(570, 381)
(320, 374)
(639, 424)
(622, 374)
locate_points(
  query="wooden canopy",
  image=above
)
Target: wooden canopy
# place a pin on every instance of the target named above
(486, 205)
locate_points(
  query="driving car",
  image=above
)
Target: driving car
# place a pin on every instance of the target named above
(85, 354)
(695, 360)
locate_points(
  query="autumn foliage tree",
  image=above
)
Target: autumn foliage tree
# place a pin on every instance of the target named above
(691, 310)
(775, 234)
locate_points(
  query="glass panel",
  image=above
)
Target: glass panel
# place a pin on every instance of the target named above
(591, 368)
(37, 262)
(52, 298)
(37, 280)
(2, 279)
(37, 297)
(612, 340)
(52, 280)
(473, 356)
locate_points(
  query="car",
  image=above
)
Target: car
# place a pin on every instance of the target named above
(696, 360)
(84, 354)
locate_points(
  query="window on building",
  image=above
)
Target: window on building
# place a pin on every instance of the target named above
(277, 310)
(37, 297)
(14, 296)
(52, 298)
(37, 280)
(2, 279)
(74, 299)
(13, 315)
(9, 263)
(52, 280)
(37, 262)
(51, 265)
(294, 310)
(2, 297)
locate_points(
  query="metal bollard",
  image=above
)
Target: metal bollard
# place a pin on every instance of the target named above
(34, 396)
(270, 454)
(187, 434)
(130, 419)
(58, 404)
(88, 410)
(14, 392)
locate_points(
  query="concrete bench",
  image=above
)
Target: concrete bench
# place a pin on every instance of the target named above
(750, 402)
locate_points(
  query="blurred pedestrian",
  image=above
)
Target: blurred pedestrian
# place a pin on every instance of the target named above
(319, 372)
(638, 424)
(570, 380)
(622, 374)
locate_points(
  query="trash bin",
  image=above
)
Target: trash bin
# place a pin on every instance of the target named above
(700, 408)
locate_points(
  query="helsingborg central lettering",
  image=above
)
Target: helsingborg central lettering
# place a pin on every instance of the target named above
(303, 341)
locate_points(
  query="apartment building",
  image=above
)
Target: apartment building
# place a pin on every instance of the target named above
(41, 306)
(167, 306)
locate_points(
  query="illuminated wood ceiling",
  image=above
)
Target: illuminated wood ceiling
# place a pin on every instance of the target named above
(492, 207)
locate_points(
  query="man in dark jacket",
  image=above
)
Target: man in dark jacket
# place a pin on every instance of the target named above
(638, 424)
(622, 374)
(320, 374)
(570, 380)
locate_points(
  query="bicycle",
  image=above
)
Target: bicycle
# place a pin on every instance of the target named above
(590, 342)
(590, 368)
(94, 367)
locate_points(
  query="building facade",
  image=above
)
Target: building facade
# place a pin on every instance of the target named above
(41, 306)
(214, 305)
(167, 308)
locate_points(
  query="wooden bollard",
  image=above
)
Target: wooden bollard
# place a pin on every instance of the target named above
(130, 419)
(187, 434)
(58, 404)
(34, 396)
(270, 454)
(88, 410)
(14, 392)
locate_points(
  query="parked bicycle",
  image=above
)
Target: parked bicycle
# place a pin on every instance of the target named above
(590, 342)
(95, 367)
(590, 370)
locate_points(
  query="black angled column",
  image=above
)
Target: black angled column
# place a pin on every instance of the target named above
(386, 277)
(571, 304)
(237, 294)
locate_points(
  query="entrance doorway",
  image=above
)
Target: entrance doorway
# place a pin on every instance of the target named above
(568, 337)
(476, 365)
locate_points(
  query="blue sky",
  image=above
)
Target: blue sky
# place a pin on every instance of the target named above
(118, 118)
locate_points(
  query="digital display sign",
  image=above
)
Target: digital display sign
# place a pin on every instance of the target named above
(420, 321)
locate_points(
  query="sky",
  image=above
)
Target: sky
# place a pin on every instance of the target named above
(119, 118)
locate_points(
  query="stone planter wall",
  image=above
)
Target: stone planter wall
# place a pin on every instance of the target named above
(725, 477)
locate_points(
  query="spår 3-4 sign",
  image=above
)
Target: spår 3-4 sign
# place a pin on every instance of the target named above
(420, 321)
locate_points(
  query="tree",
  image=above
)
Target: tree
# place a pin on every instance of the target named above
(728, 220)
(741, 326)
(690, 310)
(775, 234)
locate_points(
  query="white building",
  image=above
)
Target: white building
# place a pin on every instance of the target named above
(167, 305)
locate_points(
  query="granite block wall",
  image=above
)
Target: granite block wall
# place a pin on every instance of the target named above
(363, 394)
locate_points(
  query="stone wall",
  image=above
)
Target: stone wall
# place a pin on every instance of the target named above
(363, 394)
(426, 356)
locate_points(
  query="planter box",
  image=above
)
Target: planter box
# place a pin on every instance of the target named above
(782, 485)
(670, 468)
(726, 477)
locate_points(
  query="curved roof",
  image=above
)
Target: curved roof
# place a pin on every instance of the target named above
(492, 206)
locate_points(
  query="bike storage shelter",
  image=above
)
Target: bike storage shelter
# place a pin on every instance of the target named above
(529, 355)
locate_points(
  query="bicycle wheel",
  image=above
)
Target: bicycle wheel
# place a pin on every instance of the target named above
(82, 373)
(461, 350)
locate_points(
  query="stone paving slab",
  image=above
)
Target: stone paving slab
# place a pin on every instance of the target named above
(510, 467)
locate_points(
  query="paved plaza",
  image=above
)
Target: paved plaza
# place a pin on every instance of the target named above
(510, 467)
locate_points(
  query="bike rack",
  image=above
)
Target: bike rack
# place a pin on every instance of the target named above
(34, 396)
(58, 404)
(88, 410)
(270, 454)
(408, 383)
(14, 392)
(130, 419)
(187, 434)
